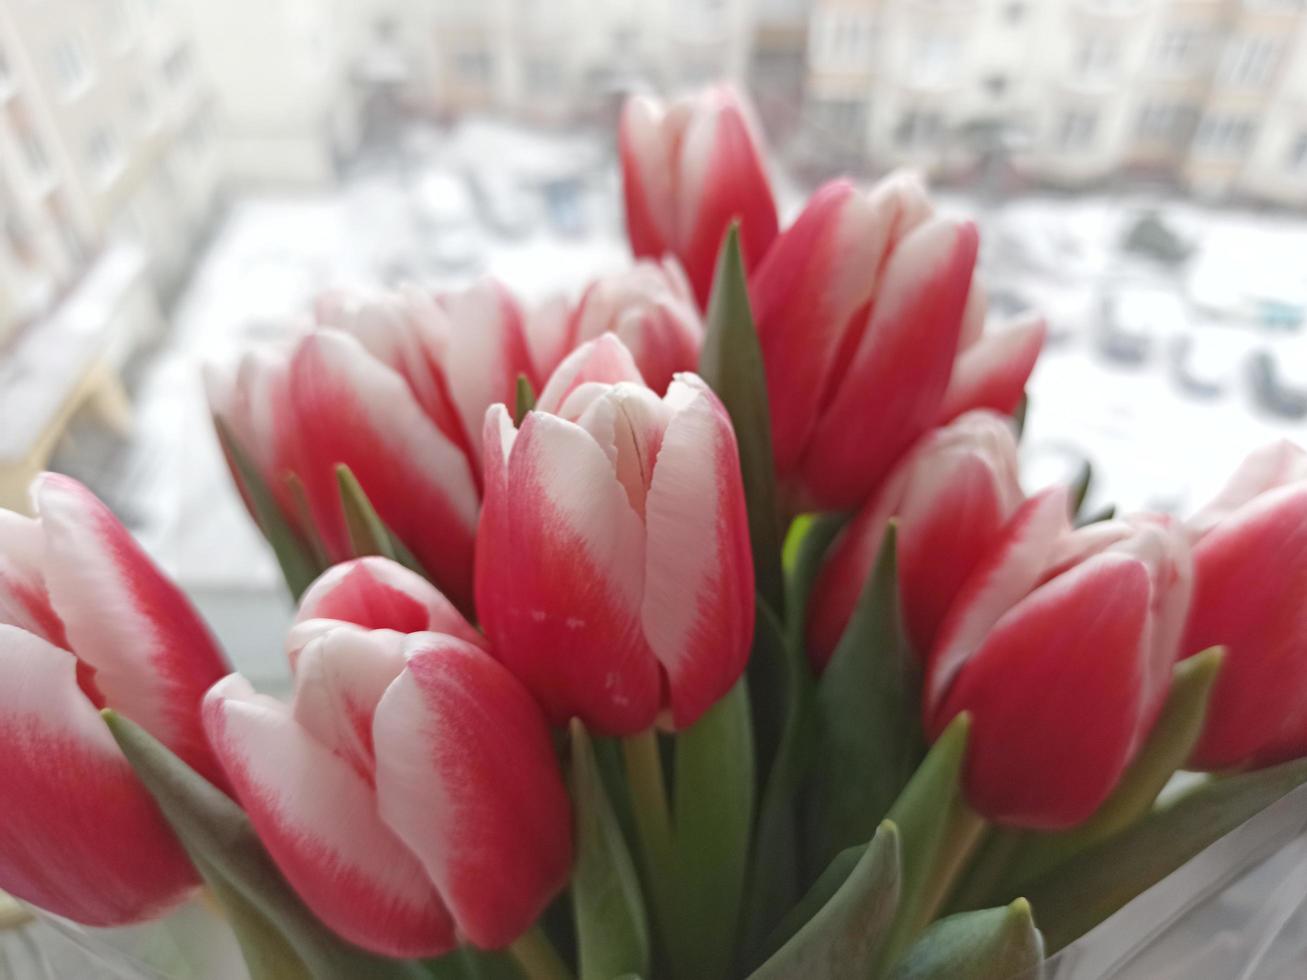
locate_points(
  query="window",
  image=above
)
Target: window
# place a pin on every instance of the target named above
(1250, 61)
(936, 59)
(919, 128)
(1166, 121)
(544, 75)
(1014, 13)
(840, 119)
(103, 155)
(1096, 58)
(70, 67)
(1179, 48)
(6, 81)
(996, 85)
(21, 242)
(1296, 159)
(1224, 135)
(474, 67)
(1076, 130)
(842, 39)
(72, 241)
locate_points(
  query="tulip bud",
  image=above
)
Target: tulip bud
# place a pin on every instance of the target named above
(953, 494)
(1250, 596)
(859, 308)
(613, 569)
(649, 307)
(374, 593)
(394, 387)
(688, 171)
(409, 793)
(1060, 646)
(991, 370)
(86, 622)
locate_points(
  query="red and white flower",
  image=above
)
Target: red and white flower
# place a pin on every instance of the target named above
(87, 621)
(613, 568)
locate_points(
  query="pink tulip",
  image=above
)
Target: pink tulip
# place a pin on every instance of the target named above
(649, 307)
(859, 306)
(953, 494)
(992, 369)
(1060, 645)
(688, 171)
(1250, 595)
(393, 387)
(613, 569)
(375, 593)
(409, 793)
(86, 622)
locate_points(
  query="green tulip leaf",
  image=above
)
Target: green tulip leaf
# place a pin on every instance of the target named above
(295, 555)
(1080, 487)
(1167, 748)
(218, 836)
(867, 722)
(612, 929)
(713, 819)
(524, 399)
(1082, 892)
(818, 894)
(731, 364)
(993, 944)
(368, 533)
(843, 938)
(937, 831)
(775, 873)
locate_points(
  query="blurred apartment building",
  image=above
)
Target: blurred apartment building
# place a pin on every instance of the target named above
(1209, 93)
(107, 175)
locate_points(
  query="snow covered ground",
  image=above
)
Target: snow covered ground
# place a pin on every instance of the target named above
(1161, 430)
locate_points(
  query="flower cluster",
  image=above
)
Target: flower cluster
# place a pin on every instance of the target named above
(530, 552)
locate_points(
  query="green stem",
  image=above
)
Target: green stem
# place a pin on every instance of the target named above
(653, 824)
(966, 830)
(536, 955)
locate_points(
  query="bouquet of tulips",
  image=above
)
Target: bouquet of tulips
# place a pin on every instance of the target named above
(698, 628)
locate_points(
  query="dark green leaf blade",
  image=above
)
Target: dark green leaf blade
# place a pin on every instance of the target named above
(713, 807)
(367, 532)
(612, 927)
(843, 938)
(775, 874)
(294, 555)
(731, 364)
(1077, 895)
(993, 944)
(218, 834)
(524, 399)
(867, 722)
(821, 892)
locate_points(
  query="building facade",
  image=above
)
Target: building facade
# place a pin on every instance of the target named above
(105, 135)
(1209, 93)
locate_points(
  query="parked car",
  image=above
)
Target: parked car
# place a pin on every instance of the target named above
(1135, 321)
(1279, 387)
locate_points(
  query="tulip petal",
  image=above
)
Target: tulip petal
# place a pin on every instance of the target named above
(1054, 693)
(468, 779)
(1258, 712)
(605, 360)
(698, 596)
(377, 593)
(1004, 576)
(895, 381)
(152, 654)
(647, 175)
(722, 178)
(549, 334)
(339, 678)
(560, 574)
(1274, 465)
(487, 351)
(318, 818)
(350, 409)
(79, 835)
(24, 601)
(811, 293)
(992, 373)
